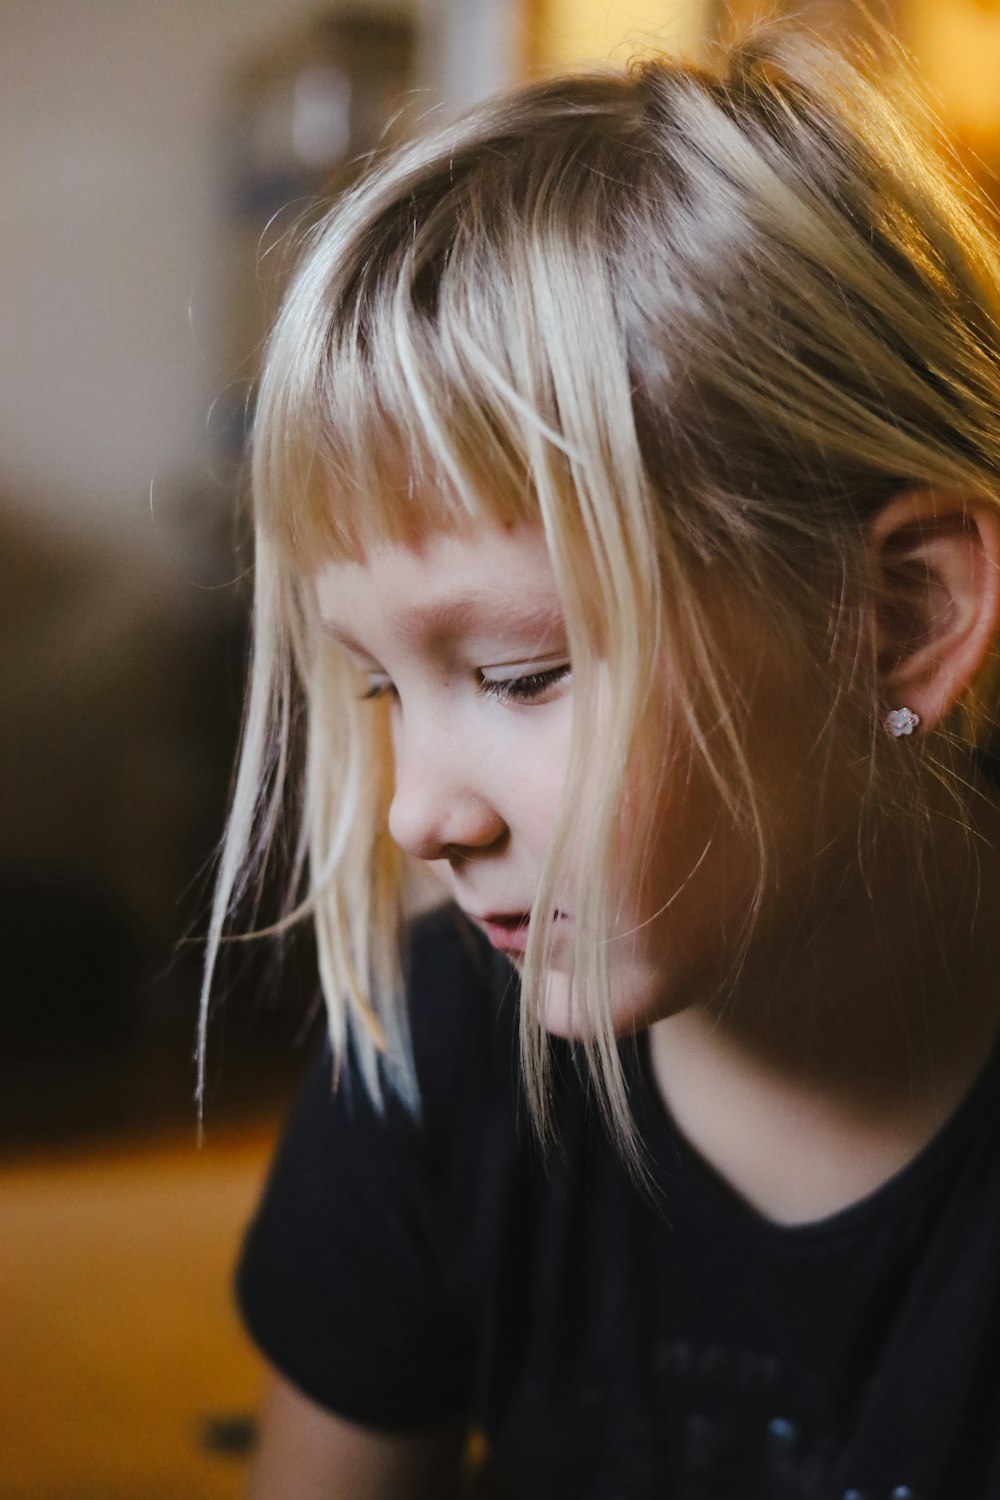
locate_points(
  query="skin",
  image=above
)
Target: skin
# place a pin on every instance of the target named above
(838, 1060)
(478, 677)
(308, 1453)
(480, 752)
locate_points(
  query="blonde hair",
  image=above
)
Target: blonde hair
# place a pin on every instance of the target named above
(699, 322)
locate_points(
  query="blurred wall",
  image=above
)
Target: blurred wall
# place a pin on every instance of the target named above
(112, 266)
(123, 275)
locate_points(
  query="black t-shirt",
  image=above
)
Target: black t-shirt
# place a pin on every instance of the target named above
(615, 1344)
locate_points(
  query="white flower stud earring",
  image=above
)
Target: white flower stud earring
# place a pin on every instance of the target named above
(900, 721)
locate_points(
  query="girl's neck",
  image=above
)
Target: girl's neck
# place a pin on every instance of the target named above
(831, 1066)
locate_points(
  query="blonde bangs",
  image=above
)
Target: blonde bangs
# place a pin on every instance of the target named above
(389, 469)
(415, 384)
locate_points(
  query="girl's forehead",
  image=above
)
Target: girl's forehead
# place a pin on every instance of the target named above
(444, 582)
(430, 554)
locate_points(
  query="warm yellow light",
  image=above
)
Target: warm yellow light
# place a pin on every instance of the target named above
(572, 33)
(957, 44)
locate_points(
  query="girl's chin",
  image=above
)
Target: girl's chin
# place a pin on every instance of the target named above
(636, 1007)
(562, 1019)
(557, 1017)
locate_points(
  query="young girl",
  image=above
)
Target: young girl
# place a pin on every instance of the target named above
(627, 482)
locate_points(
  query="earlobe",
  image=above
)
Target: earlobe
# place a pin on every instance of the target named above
(936, 557)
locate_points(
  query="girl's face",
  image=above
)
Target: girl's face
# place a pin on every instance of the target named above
(465, 635)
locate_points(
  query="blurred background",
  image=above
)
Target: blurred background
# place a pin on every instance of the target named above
(156, 156)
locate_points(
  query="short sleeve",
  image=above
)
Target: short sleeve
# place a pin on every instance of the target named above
(344, 1280)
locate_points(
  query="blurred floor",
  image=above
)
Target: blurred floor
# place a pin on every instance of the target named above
(124, 1373)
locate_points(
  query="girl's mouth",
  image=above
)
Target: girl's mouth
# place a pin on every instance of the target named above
(509, 930)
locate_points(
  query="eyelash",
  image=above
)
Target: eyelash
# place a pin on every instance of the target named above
(514, 690)
(524, 689)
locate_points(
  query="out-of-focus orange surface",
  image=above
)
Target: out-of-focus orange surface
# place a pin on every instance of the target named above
(119, 1342)
(573, 33)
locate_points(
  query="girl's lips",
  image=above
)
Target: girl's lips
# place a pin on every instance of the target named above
(509, 930)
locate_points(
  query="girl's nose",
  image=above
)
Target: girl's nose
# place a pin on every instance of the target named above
(441, 805)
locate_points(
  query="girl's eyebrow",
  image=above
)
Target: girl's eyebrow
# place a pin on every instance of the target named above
(450, 617)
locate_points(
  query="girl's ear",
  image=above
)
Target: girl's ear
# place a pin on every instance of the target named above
(936, 556)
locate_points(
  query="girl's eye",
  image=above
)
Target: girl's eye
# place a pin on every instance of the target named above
(527, 688)
(378, 687)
